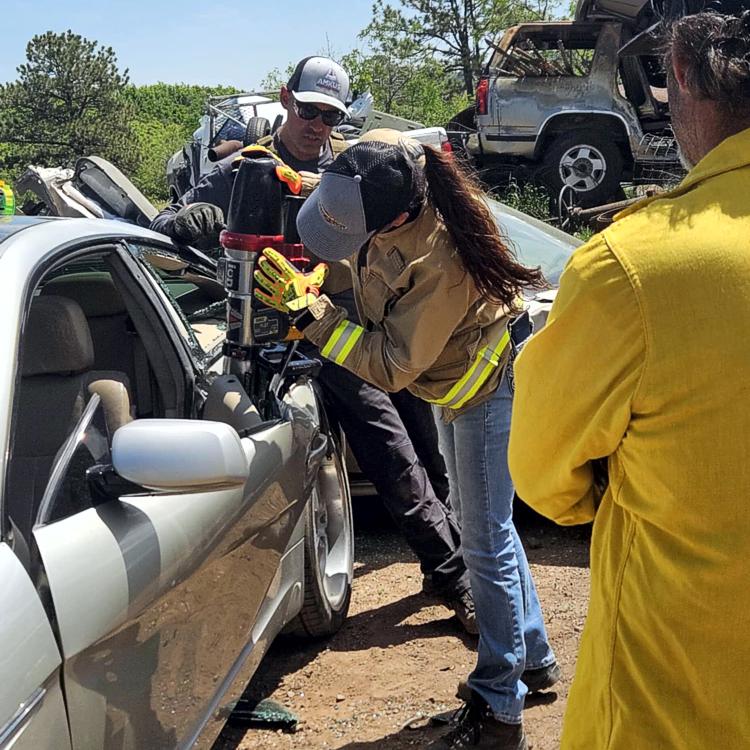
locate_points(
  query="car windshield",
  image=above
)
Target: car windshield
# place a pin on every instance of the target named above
(536, 243)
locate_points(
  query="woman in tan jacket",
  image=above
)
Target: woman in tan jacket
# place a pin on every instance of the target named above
(438, 293)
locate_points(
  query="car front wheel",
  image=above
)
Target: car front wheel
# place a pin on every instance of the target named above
(586, 162)
(329, 550)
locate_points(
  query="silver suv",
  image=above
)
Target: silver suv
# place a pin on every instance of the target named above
(559, 104)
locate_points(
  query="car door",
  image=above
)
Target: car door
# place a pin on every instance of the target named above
(156, 595)
(32, 710)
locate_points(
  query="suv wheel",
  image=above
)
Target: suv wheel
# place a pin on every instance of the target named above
(329, 551)
(587, 163)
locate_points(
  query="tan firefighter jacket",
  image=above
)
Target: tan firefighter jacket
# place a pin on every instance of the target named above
(425, 326)
(339, 276)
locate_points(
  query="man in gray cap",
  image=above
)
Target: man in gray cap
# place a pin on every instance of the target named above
(392, 436)
(315, 100)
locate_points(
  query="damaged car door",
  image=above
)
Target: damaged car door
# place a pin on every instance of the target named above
(156, 545)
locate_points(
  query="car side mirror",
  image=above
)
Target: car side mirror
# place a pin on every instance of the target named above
(179, 454)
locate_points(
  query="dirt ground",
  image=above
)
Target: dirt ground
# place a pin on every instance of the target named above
(398, 658)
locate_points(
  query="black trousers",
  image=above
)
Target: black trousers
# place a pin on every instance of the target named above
(394, 439)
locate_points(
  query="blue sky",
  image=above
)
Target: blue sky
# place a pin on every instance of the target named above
(192, 41)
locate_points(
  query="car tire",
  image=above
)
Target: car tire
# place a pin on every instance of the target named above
(257, 128)
(586, 161)
(329, 550)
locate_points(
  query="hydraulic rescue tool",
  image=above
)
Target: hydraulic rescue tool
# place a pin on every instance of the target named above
(262, 214)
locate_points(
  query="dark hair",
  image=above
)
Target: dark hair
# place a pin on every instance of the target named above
(459, 200)
(715, 50)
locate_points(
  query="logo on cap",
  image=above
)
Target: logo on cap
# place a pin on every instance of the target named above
(330, 219)
(329, 82)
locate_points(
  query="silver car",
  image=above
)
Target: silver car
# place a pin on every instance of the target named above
(157, 528)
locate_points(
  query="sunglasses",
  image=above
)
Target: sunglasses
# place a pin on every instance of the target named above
(330, 117)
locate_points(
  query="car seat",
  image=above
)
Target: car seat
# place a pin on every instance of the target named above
(57, 379)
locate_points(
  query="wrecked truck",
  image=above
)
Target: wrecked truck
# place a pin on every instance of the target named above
(558, 104)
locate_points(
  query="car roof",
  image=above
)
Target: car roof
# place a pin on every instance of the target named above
(11, 224)
(614, 10)
(37, 236)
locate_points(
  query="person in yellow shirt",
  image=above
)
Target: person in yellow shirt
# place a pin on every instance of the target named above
(645, 363)
(437, 289)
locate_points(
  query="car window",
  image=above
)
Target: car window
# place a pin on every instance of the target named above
(197, 301)
(68, 491)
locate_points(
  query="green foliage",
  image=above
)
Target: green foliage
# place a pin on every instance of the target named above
(527, 197)
(584, 233)
(417, 91)
(155, 142)
(173, 103)
(68, 101)
(166, 115)
(276, 79)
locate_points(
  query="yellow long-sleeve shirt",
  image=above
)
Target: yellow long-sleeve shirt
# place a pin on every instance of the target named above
(645, 360)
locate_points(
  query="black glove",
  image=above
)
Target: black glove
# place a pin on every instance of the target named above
(199, 222)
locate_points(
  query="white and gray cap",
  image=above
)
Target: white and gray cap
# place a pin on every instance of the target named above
(364, 190)
(320, 80)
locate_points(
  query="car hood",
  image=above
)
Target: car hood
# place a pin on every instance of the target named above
(97, 189)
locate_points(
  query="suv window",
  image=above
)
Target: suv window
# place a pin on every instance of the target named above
(550, 52)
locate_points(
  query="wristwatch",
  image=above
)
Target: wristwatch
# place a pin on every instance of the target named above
(314, 311)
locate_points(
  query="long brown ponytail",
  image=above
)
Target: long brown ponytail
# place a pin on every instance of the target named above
(458, 199)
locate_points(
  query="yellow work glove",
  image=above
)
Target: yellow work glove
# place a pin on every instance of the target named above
(286, 288)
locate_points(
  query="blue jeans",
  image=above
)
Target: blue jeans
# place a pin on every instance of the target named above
(511, 627)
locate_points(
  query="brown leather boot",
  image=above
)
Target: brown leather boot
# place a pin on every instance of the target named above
(463, 606)
(476, 727)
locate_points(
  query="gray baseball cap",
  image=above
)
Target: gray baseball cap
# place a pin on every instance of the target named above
(363, 191)
(320, 80)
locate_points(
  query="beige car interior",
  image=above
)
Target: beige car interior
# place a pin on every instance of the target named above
(57, 379)
(86, 331)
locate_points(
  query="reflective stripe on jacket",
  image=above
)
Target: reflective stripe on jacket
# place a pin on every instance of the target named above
(426, 327)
